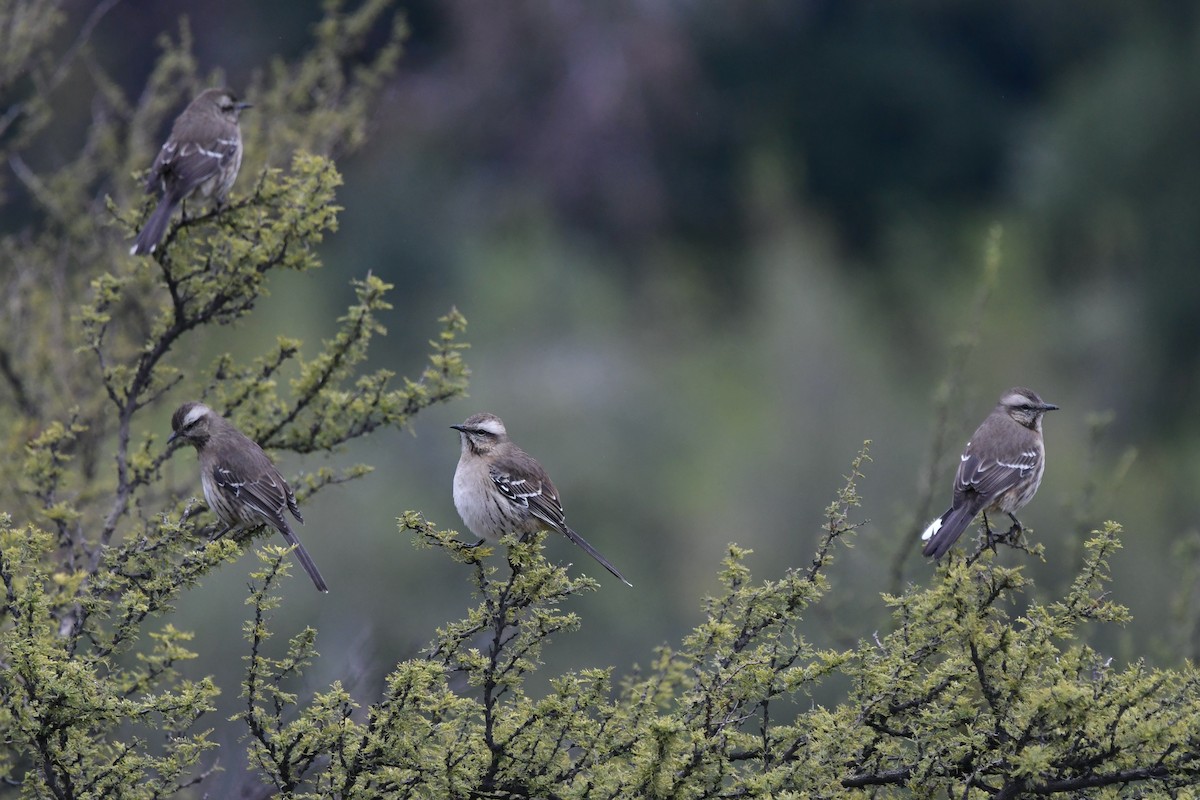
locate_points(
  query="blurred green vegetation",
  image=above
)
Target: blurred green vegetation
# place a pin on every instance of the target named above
(706, 249)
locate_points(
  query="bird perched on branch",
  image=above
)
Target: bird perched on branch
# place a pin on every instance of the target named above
(1000, 469)
(499, 488)
(241, 484)
(201, 156)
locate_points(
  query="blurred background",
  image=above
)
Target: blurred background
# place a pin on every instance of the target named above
(706, 249)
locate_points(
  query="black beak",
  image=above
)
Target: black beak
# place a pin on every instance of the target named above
(1049, 407)
(243, 106)
(460, 428)
(174, 435)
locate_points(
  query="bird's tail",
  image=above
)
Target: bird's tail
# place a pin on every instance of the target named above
(305, 559)
(156, 225)
(944, 531)
(591, 551)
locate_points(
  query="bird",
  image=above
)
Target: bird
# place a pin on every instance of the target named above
(1000, 469)
(202, 155)
(500, 489)
(240, 482)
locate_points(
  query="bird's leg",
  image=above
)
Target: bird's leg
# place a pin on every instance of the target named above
(991, 537)
(222, 533)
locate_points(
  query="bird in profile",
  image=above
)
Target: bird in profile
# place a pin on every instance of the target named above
(241, 484)
(501, 489)
(201, 156)
(1000, 469)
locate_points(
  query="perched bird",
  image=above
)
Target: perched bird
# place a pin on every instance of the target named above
(499, 488)
(240, 483)
(1001, 469)
(202, 154)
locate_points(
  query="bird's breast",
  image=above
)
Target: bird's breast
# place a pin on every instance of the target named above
(478, 502)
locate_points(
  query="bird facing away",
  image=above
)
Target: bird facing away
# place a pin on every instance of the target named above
(499, 488)
(241, 484)
(202, 155)
(1000, 469)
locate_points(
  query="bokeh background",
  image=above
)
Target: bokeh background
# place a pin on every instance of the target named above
(706, 249)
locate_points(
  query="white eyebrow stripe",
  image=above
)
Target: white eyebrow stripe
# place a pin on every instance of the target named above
(195, 414)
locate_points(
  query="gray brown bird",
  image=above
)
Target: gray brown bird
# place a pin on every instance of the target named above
(1000, 469)
(201, 156)
(241, 484)
(500, 489)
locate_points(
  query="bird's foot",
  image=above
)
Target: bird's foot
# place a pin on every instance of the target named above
(1011, 537)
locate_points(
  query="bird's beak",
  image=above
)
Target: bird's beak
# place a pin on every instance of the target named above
(174, 435)
(1049, 407)
(243, 106)
(459, 428)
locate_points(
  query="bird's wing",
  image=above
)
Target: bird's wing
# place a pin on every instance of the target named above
(530, 492)
(195, 164)
(535, 492)
(184, 164)
(291, 503)
(268, 494)
(989, 477)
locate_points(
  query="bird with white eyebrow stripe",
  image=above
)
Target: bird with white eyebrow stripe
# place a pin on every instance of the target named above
(499, 488)
(1000, 469)
(241, 484)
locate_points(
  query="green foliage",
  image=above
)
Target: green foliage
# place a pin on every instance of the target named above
(976, 692)
(94, 544)
(966, 695)
(63, 700)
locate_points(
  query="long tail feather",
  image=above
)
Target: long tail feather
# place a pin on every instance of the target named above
(944, 531)
(305, 560)
(591, 551)
(156, 225)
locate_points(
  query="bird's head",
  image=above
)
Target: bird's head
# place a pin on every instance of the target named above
(192, 422)
(481, 433)
(1025, 407)
(223, 102)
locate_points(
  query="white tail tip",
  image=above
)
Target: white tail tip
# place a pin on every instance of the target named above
(933, 528)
